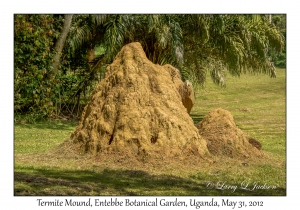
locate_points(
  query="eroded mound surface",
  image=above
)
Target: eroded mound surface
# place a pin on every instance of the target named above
(137, 110)
(224, 138)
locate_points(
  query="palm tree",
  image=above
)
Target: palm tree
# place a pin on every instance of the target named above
(195, 44)
(233, 43)
(85, 31)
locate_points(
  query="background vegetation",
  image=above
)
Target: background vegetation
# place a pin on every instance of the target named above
(58, 59)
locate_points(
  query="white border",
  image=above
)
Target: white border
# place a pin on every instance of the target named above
(8, 8)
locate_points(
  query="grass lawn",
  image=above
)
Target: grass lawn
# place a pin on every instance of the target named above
(258, 104)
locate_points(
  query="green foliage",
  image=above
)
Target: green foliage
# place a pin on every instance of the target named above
(84, 31)
(33, 41)
(279, 58)
(233, 43)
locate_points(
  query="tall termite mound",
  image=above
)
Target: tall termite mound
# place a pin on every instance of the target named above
(224, 138)
(138, 109)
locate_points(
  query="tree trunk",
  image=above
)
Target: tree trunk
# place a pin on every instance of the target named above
(59, 45)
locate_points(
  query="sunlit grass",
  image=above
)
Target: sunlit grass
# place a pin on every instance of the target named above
(258, 104)
(40, 137)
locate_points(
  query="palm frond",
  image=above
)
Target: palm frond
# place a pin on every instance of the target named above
(78, 36)
(98, 19)
(154, 22)
(218, 73)
(176, 42)
(275, 38)
(114, 36)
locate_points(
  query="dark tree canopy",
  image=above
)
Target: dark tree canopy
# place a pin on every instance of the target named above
(194, 44)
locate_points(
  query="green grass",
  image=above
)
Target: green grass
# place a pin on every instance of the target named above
(258, 105)
(30, 180)
(99, 50)
(40, 137)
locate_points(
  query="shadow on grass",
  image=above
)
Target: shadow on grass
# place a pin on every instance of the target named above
(107, 182)
(52, 125)
(197, 117)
